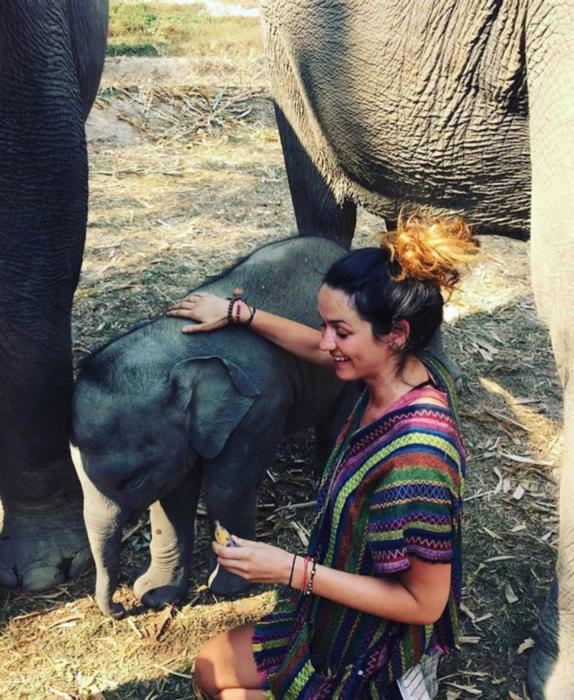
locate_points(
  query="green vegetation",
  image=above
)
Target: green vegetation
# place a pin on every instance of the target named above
(149, 29)
(121, 49)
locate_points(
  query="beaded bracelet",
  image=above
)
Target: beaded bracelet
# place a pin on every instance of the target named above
(237, 296)
(238, 311)
(306, 563)
(232, 301)
(309, 587)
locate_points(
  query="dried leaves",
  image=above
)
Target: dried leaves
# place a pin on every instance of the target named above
(169, 114)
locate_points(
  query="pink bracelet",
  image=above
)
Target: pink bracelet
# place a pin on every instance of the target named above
(234, 310)
(238, 311)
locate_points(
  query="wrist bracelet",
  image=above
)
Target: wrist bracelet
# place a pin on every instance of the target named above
(308, 560)
(292, 571)
(238, 303)
(252, 311)
(305, 565)
(309, 587)
(232, 301)
(236, 295)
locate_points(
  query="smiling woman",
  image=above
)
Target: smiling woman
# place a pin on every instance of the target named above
(349, 339)
(379, 586)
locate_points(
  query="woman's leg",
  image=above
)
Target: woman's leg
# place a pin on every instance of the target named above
(225, 667)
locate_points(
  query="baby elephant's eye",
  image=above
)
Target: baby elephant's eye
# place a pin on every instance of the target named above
(132, 481)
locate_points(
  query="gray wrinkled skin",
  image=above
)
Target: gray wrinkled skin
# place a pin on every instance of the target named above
(458, 108)
(157, 413)
(412, 104)
(51, 58)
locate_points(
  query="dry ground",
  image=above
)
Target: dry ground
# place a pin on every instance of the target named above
(186, 178)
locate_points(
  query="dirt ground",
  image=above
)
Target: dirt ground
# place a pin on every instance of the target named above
(183, 182)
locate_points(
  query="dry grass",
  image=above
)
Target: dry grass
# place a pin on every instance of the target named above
(193, 182)
(192, 48)
(151, 29)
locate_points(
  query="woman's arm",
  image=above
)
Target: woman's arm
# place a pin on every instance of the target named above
(211, 313)
(417, 596)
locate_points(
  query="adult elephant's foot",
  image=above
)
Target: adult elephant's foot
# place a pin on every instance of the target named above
(551, 663)
(157, 588)
(39, 550)
(545, 653)
(560, 684)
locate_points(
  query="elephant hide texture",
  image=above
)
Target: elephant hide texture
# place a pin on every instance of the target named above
(390, 118)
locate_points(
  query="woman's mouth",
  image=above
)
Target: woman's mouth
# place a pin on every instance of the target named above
(340, 359)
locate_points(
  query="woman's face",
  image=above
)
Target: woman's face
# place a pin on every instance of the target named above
(349, 338)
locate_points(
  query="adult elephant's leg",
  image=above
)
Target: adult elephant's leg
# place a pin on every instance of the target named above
(550, 56)
(172, 528)
(317, 211)
(88, 22)
(43, 181)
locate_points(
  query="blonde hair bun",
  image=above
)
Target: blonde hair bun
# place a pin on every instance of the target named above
(431, 249)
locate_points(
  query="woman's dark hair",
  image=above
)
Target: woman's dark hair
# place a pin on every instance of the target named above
(402, 279)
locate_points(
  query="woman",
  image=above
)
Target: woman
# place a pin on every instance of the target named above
(380, 584)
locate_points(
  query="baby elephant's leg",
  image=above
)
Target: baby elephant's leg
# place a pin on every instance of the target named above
(231, 481)
(172, 527)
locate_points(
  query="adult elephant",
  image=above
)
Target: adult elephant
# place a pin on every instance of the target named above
(51, 58)
(463, 108)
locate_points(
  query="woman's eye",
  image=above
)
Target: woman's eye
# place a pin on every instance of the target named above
(342, 335)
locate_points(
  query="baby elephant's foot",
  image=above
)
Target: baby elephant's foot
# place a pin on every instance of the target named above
(222, 582)
(156, 589)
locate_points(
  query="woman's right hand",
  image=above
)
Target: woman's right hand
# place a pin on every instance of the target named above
(208, 310)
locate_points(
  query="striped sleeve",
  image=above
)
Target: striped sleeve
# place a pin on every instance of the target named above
(411, 513)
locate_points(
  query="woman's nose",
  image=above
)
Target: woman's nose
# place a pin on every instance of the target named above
(327, 341)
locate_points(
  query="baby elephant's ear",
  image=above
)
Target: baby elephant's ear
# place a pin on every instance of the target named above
(217, 394)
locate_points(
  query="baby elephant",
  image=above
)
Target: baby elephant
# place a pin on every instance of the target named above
(157, 414)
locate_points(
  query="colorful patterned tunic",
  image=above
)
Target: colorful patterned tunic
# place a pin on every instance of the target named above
(391, 490)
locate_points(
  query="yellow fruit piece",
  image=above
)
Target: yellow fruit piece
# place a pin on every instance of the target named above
(222, 535)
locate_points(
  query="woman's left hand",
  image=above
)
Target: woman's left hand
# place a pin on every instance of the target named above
(209, 310)
(255, 561)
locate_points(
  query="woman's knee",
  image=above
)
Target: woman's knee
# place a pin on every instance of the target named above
(204, 667)
(226, 661)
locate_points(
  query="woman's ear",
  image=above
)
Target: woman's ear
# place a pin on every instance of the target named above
(400, 333)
